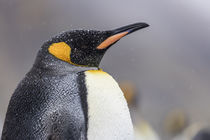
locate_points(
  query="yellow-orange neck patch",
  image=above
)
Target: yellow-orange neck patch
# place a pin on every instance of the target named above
(100, 71)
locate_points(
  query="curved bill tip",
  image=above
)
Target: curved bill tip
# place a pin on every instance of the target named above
(131, 28)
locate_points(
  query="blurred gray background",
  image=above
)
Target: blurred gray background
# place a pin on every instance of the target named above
(169, 61)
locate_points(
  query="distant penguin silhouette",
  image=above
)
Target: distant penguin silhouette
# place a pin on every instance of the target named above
(203, 134)
(195, 131)
(142, 129)
(65, 96)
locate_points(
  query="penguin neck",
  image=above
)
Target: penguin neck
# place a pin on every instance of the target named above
(48, 63)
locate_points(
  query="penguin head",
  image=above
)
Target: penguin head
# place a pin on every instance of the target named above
(87, 47)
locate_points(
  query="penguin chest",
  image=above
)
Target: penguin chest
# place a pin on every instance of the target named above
(108, 114)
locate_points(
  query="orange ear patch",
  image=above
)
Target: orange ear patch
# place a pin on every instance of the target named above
(111, 40)
(61, 50)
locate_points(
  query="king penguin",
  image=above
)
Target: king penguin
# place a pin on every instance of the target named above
(66, 96)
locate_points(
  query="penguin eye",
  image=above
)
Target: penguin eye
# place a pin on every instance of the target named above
(84, 46)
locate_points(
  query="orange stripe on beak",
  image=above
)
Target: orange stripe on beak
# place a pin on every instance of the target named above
(111, 40)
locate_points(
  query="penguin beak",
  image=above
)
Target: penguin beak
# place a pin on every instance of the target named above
(118, 33)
